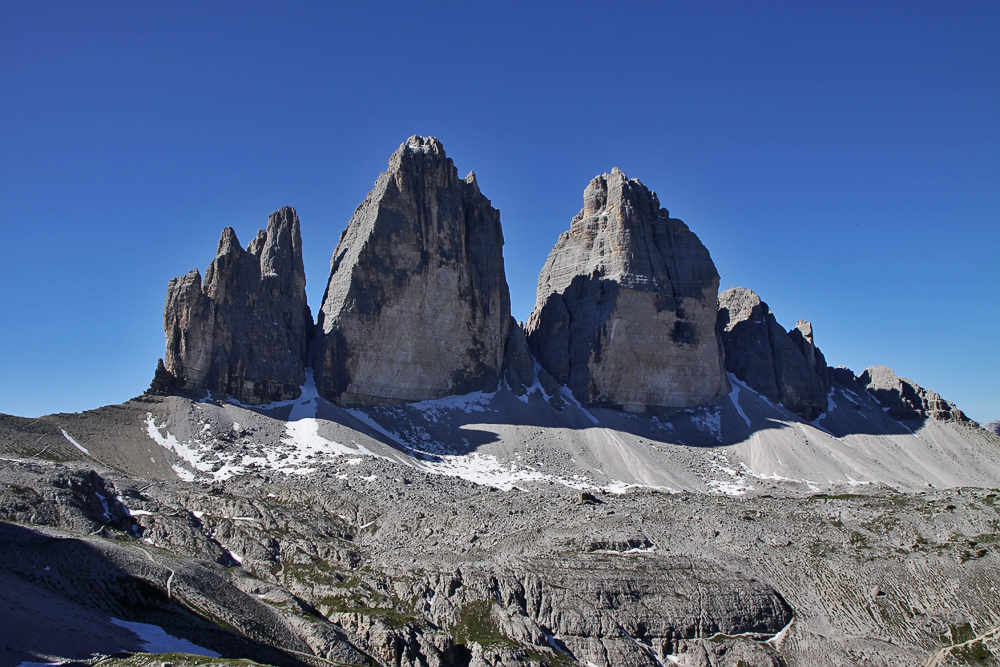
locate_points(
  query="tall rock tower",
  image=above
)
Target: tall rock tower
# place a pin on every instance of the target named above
(244, 330)
(626, 306)
(417, 305)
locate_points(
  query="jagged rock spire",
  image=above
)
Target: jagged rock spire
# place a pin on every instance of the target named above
(245, 329)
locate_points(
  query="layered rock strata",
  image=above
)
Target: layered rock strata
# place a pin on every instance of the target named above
(905, 399)
(785, 367)
(245, 329)
(417, 305)
(626, 305)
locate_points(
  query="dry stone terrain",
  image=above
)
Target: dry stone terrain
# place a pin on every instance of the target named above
(304, 533)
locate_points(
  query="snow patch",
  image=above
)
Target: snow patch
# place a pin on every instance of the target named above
(734, 396)
(467, 403)
(830, 407)
(568, 395)
(104, 504)
(709, 419)
(75, 443)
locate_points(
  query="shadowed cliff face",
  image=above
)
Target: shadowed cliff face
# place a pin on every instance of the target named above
(785, 367)
(625, 312)
(245, 329)
(905, 399)
(417, 305)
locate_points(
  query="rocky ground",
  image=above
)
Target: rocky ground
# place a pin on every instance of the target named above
(396, 566)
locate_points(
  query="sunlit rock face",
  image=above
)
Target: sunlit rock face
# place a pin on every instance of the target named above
(245, 329)
(626, 305)
(417, 305)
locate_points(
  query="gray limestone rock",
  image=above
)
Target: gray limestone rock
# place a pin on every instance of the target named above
(802, 336)
(993, 427)
(417, 305)
(519, 365)
(245, 329)
(786, 368)
(905, 399)
(625, 310)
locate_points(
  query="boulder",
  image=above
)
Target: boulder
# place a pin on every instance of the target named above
(905, 399)
(417, 305)
(625, 310)
(245, 329)
(784, 367)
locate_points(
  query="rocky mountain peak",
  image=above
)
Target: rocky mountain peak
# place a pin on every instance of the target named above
(741, 305)
(805, 328)
(618, 196)
(245, 329)
(625, 309)
(417, 305)
(785, 367)
(905, 399)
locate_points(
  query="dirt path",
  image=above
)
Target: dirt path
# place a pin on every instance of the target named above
(938, 658)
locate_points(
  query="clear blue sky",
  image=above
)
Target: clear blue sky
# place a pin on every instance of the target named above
(842, 159)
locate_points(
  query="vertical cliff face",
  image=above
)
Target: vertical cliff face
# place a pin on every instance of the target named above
(785, 367)
(626, 305)
(417, 305)
(245, 329)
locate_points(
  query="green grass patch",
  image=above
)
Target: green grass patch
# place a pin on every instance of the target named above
(477, 625)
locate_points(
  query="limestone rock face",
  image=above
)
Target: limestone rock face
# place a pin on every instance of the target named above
(786, 368)
(519, 365)
(245, 329)
(905, 399)
(625, 310)
(417, 305)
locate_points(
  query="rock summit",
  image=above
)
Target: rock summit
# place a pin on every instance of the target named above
(626, 305)
(245, 329)
(417, 305)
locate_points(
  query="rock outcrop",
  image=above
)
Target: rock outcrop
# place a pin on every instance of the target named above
(417, 305)
(245, 329)
(905, 399)
(785, 367)
(625, 309)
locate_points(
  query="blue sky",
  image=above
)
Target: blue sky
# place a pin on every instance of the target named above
(841, 159)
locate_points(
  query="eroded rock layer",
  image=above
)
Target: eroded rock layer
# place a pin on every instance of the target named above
(626, 305)
(245, 329)
(417, 305)
(785, 367)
